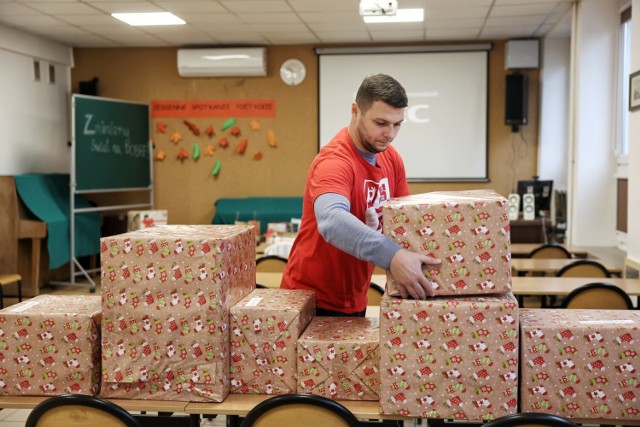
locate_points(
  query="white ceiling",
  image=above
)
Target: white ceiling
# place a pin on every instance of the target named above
(87, 23)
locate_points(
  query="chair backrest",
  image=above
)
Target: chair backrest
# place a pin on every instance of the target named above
(584, 268)
(550, 251)
(76, 410)
(299, 409)
(374, 294)
(530, 419)
(271, 264)
(599, 295)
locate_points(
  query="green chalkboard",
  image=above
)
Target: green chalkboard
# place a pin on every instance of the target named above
(111, 144)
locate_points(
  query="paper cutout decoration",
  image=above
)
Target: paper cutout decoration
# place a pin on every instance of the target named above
(196, 151)
(235, 131)
(228, 123)
(161, 127)
(258, 156)
(223, 143)
(161, 155)
(209, 131)
(182, 154)
(175, 137)
(271, 139)
(192, 127)
(209, 150)
(216, 168)
(242, 147)
(254, 125)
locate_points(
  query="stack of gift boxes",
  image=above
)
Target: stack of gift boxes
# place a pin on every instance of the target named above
(180, 319)
(455, 355)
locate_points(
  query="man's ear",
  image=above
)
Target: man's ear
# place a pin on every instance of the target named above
(355, 109)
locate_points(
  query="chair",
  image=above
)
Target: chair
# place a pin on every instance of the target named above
(261, 286)
(374, 294)
(77, 410)
(583, 268)
(599, 295)
(299, 409)
(8, 279)
(271, 263)
(530, 419)
(550, 251)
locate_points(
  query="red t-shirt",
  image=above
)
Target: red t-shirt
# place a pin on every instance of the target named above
(340, 280)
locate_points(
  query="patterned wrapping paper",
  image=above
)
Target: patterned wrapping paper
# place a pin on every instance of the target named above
(137, 220)
(50, 345)
(264, 328)
(468, 230)
(338, 358)
(581, 363)
(450, 358)
(166, 294)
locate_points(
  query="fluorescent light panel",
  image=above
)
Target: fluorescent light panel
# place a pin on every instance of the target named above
(148, 19)
(402, 15)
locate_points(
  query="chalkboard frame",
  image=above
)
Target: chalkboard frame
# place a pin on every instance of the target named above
(119, 157)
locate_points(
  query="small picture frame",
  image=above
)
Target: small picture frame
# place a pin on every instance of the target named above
(634, 91)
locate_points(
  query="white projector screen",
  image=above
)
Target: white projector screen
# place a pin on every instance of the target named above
(444, 135)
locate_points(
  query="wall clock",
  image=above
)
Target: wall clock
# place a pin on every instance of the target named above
(293, 72)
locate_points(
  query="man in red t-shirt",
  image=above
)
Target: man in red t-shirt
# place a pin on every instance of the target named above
(340, 237)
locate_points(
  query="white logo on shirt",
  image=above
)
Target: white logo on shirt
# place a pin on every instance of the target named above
(376, 194)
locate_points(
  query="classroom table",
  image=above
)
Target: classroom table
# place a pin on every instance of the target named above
(551, 266)
(522, 250)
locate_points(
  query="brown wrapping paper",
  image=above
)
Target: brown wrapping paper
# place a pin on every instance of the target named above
(581, 363)
(338, 358)
(264, 327)
(166, 293)
(50, 345)
(453, 358)
(468, 230)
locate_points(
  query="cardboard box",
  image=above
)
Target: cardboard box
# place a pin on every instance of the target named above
(338, 358)
(264, 327)
(581, 363)
(50, 345)
(166, 293)
(137, 220)
(452, 358)
(468, 230)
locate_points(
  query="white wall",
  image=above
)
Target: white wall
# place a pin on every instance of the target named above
(633, 231)
(554, 111)
(591, 161)
(34, 116)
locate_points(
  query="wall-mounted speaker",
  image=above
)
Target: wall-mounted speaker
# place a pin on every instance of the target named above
(529, 207)
(514, 206)
(516, 89)
(89, 87)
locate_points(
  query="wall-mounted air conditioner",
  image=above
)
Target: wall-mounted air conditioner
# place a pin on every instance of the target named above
(219, 62)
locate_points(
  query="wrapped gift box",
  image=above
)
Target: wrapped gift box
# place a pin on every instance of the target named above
(137, 220)
(338, 358)
(166, 294)
(50, 345)
(581, 363)
(468, 230)
(264, 329)
(451, 358)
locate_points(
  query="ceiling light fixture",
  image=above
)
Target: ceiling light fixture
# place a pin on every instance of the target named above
(148, 19)
(402, 15)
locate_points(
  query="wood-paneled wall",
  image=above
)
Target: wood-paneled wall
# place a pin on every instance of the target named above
(187, 188)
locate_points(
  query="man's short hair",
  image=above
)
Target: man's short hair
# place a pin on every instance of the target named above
(381, 87)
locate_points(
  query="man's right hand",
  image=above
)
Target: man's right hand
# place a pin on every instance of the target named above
(406, 269)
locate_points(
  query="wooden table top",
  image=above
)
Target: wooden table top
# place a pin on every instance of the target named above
(29, 402)
(563, 285)
(552, 265)
(522, 249)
